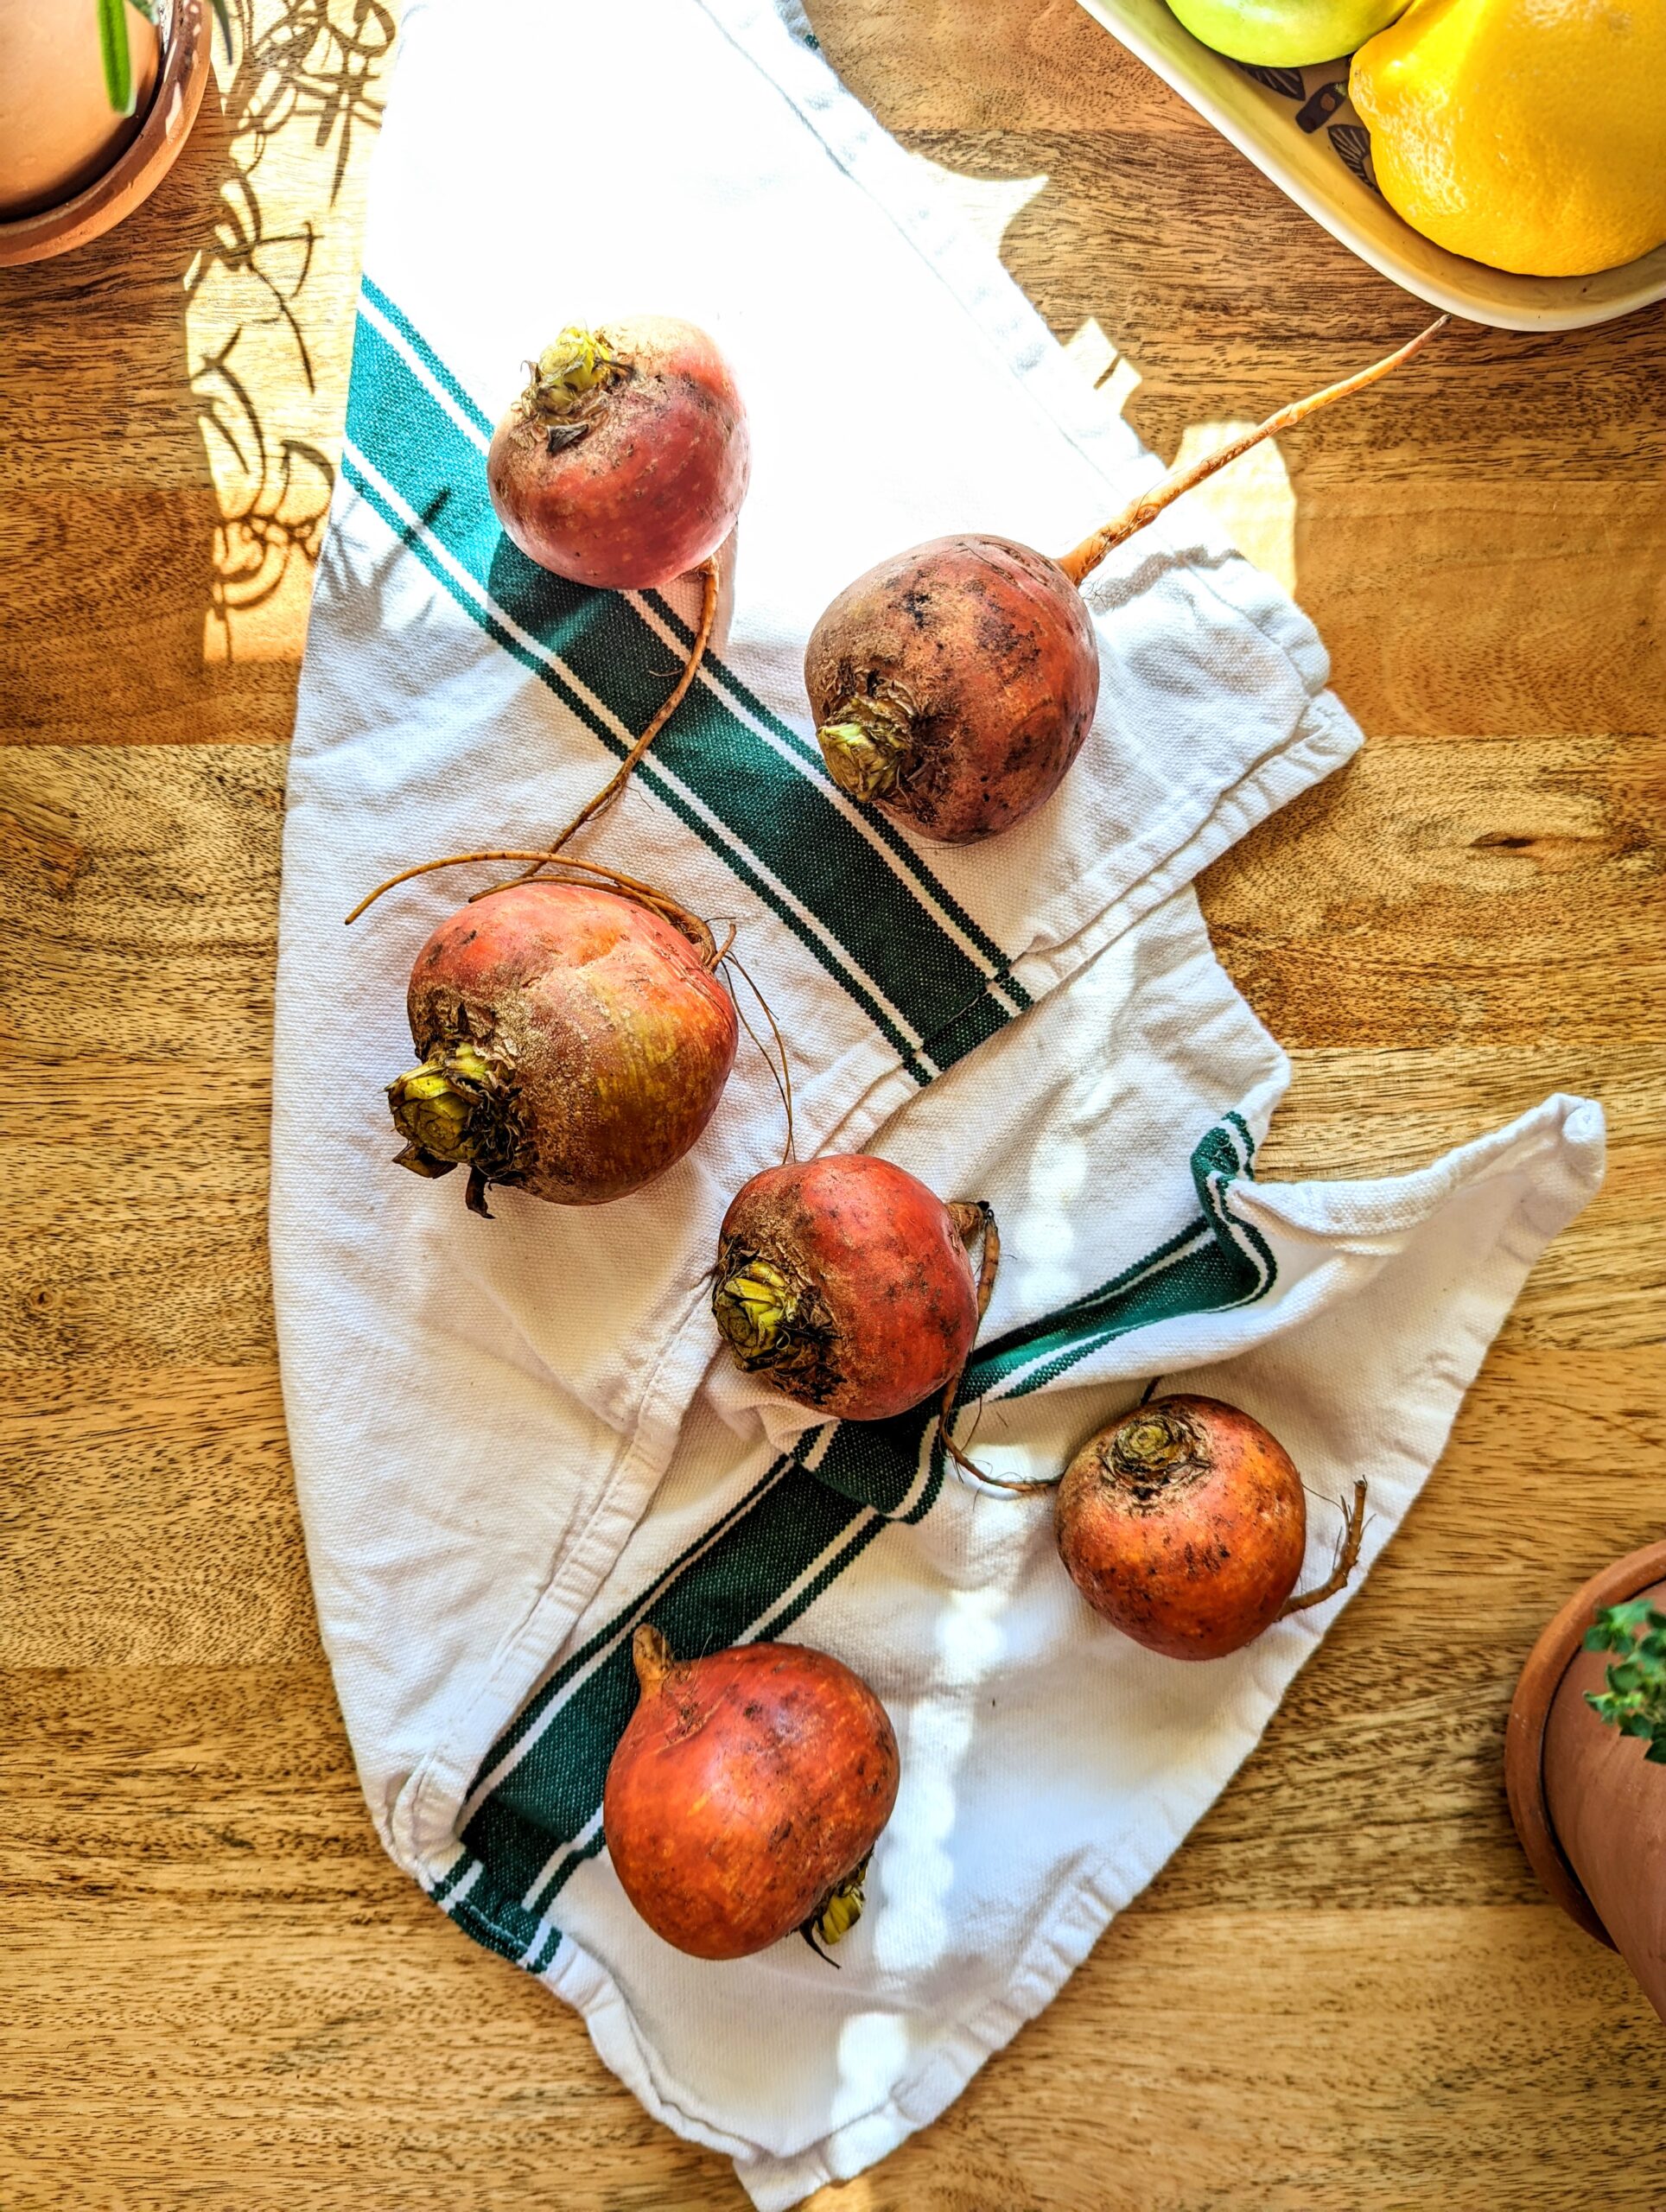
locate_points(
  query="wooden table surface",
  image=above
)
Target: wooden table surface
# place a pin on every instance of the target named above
(1344, 1991)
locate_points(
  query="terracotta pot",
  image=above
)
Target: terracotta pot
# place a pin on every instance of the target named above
(136, 153)
(1589, 1809)
(58, 131)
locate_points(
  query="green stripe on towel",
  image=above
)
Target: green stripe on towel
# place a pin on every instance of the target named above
(423, 352)
(885, 831)
(769, 817)
(800, 1527)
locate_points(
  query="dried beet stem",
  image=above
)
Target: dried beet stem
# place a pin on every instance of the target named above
(837, 1913)
(766, 1316)
(783, 1074)
(973, 1219)
(1151, 1451)
(651, 1657)
(565, 381)
(657, 902)
(1347, 1559)
(457, 1108)
(674, 698)
(1080, 563)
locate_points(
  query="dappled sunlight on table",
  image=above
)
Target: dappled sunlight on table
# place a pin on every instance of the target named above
(173, 393)
(266, 337)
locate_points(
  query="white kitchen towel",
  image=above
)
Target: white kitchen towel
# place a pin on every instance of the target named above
(512, 1441)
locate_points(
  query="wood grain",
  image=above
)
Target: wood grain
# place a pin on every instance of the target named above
(1344, 1994)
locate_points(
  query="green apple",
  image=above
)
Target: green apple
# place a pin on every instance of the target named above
(1287, 34)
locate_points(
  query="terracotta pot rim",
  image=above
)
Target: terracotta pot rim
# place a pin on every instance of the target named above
(142, 164)
(1529, 1712)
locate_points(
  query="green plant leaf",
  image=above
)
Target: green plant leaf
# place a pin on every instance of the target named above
(1633, 1617)
(116, 55)
(1634, 1700)
(1607, 1635)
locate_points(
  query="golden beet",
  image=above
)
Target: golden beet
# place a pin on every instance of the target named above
(746, 1795)
(575, 1044)
(953, 685)
(848, 1285)
(1184, 1524)
(625, 461)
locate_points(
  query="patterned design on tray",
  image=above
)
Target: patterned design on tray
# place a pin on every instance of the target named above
(1320, 94)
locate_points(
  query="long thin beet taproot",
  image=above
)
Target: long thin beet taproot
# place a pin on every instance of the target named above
(623, 465)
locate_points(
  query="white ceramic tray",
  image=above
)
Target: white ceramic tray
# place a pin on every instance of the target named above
(1296, 125)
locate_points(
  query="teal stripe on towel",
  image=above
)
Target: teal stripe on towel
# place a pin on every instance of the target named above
(777, 812)
(891, 837)
(799, 1530)
(420, 543)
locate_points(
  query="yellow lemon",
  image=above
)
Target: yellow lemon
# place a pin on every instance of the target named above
(1528, 134)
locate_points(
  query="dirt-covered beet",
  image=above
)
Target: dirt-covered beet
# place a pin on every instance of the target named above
(746, 1795)
(1184, 1524)
(848, 1285)
(625, 460)
(953, 684)
(575, 1044)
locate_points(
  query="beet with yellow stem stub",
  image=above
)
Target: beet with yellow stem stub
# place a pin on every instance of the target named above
(746, 1795)
(575, 1041)
(848, 1285)
(624, 462)
(953, 684)
(623, 465)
